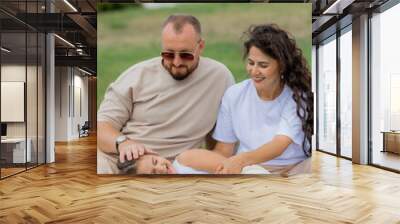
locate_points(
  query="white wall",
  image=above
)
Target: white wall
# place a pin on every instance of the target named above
(13, 73)
(33, 127)
(79, 112)
(12, 101)
(61, 103)
(69, 85)
(17, 73)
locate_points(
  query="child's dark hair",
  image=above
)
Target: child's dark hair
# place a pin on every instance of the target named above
(129, 166)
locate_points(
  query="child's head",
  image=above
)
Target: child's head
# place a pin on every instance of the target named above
(153, 164)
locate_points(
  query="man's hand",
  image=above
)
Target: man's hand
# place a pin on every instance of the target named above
(232, 165)
(133, 150)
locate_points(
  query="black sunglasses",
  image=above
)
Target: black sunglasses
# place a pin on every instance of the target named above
(187, 56)
(171, 55)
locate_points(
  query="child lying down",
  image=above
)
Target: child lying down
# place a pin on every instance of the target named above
(195, 161)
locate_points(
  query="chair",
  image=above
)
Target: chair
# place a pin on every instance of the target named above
(84, 130)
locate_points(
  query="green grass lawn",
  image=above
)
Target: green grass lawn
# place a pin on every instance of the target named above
(131, 35)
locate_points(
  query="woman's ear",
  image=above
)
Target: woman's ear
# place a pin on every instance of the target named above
(282, 70)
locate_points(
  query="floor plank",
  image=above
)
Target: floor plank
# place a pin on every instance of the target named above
(70, 191)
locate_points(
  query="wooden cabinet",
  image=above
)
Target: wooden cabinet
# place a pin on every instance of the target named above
(391, 142)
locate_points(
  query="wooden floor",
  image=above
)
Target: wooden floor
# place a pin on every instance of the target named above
(5, 172)
(69, 191)
(10, 171)
(387, 159)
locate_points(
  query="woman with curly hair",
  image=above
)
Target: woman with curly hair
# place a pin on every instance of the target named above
(270, 115)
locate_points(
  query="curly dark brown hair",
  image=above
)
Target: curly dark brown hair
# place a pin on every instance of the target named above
(281, 46)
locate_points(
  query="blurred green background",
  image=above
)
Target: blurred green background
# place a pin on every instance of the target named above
(128, 33)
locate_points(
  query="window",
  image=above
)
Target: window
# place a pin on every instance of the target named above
(327, 95)
(346, 92)
(385, 89)
(22, 68)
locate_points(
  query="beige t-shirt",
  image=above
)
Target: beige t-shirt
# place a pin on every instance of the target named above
(166, 115)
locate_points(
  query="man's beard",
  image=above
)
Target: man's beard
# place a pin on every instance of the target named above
(181, 72)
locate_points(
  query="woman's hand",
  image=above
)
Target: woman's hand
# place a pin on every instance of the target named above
(232, 165)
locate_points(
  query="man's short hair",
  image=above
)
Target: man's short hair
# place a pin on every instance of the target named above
(180, 20)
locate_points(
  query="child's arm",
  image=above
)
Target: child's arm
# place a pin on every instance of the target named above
(201, 159)
(224, 149)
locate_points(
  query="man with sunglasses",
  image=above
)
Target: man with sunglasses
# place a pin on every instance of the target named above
(164, 105)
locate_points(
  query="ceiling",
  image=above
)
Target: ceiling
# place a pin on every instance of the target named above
(328, 16)
(72, 20)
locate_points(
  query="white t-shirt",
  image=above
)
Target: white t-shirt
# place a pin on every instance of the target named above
(182, 169)
(245, 117)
